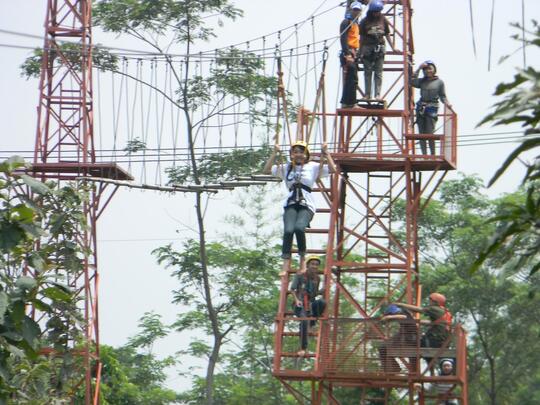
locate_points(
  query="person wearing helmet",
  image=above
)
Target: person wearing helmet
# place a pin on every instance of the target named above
(300, 175)
(349, 34)
(374, 29)
(406, 337)
(440, 320)
(431, 91)
(305, 289)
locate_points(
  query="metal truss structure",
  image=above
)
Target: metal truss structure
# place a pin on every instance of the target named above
(366, 228)
(64, 151)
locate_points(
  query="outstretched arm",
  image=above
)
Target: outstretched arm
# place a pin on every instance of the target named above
(268, 166)
(409, 307)
(331, 164)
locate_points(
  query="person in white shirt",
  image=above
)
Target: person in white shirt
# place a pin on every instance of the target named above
(300, 176)
(443, 390)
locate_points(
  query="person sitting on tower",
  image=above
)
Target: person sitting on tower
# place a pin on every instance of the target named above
(427, 107)
(300, 175)
(305, 289)
(349, 35)
(440, 321)
(374, 29)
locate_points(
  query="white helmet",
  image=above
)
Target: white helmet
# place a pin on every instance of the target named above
(356, 5)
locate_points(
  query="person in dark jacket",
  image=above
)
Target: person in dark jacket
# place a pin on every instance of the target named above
(349, 34)
(406, 337)
(431, 92)
(305, 289)
(374, 30)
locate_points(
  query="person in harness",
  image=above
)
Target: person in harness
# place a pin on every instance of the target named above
(300, 175)
(427, 107)
(305, 289)
(406, 337)
(440, 321)
(374, 29)
(349, 34)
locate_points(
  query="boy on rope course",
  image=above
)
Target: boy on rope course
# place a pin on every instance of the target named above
(427, 107)
(374, 29)
(300, 175)
(305, 289)
(349, 34)
(440, 321)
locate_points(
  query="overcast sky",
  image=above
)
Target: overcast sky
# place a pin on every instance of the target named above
(137, 222)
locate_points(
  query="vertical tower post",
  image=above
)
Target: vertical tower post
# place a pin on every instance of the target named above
(371, 246)
(64, 150)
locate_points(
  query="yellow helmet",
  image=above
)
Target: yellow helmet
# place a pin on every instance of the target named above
(313, 257)
(302, 144)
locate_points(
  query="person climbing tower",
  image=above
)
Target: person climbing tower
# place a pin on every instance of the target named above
(300, 175)
(431, 91)
(349, 34)
(374, 29)
(305, 289)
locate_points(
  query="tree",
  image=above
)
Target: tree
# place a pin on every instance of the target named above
(132, 374)
(518, 225)
(37, 226)
(246, 357)
(242, 270)
(236, 74)
(494, 308)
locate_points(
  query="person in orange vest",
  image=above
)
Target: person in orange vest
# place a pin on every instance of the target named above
(440, 320)
(305, 289)
(349, 34)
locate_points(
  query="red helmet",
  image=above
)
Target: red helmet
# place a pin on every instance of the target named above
(438, 298)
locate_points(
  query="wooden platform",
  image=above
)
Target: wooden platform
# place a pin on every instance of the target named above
(68, 170)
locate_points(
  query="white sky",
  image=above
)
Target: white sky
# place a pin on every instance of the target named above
(137, 222)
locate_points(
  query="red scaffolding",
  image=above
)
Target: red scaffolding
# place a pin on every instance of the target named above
(64, 150)
(368, 214)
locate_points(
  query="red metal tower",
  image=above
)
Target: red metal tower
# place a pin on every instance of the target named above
(383, 185)
(64, 150)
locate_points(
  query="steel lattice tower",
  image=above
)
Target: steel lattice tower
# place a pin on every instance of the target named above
(64, 151)
(366, 228)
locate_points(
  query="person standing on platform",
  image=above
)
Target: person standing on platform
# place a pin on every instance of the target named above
(440, 321)
(349, 34)
(431, 91)
(305, 289)
(374, 29)
(300, 176)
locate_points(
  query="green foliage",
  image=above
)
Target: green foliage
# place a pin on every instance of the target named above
(134, 146)
(495, 309)
(517, 224)
(239, 276)
(186, 18)
(243, 269)
(34, 274)
(101, 59)
(132, 374)
(236, 73)
(222, 166)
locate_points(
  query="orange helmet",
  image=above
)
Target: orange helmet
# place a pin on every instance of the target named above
(438, 298)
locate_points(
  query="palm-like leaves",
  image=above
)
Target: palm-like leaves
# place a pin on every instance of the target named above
(518, 224)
